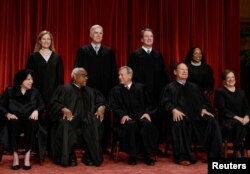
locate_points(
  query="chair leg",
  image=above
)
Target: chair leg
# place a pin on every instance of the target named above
(1, 152)
(117, 149)
(225, 148)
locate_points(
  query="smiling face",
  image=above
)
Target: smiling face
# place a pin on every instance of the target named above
(230, 80)
(147, 39)
(45, 41)
(181, 72)
(197, 55)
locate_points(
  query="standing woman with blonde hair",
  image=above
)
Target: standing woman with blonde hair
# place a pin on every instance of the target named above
(48, 72)
(47, 65)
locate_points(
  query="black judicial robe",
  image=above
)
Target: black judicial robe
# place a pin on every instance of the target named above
(47, 75)
(101, 67)
(84, 128)
(134, 102)
(202, 76)
(230, 104)
(149, 69)
(22, 106)
(190, 100)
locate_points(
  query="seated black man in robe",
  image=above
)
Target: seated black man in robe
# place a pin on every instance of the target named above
(76, 112)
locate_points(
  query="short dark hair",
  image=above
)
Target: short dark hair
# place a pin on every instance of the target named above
(225, 73)
(20, 76)
(143, 31)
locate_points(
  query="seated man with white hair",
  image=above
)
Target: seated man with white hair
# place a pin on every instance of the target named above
(76, 112)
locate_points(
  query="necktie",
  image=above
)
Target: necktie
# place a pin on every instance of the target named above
(96, 49)
(148, 51)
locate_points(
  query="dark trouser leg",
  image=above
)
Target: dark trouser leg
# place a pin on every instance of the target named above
(239, 134)
(14, 127)
(130, 135)
(31, 127)
(106, 132)
(92, 138)
(149, 137)
(181, 140)
(207, 132)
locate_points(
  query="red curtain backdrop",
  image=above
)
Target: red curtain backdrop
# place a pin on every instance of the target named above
(177, 24)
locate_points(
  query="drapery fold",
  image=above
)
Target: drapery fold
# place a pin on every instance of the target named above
(177, 25)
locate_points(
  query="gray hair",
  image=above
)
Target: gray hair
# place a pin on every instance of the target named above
(129, 70)
(75, 71)
(92, 29)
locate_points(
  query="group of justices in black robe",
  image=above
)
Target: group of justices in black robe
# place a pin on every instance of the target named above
(192, 121)
(149, 69)
(20, 108)
(133, 109)
(99, 62)
(233, 114)
(76, 112)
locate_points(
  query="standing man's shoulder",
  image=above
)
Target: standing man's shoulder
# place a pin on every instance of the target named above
(105, 49)
(84, 47)
(137, 52)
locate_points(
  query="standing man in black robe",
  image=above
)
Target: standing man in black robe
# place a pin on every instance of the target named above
(149, 69)
(186, 103)
(133, 111)
(76, 112)
(99, 62)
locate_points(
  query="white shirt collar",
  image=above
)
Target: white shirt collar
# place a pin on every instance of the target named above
(128, 86)
(94, 45)
(146, 49)
(196, 64)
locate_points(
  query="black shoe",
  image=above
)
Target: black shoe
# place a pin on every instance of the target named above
(87, 161)
(132, 161)
(26, 167)
(72, 159)
(16, 167)
(73, 163)
(149, 161)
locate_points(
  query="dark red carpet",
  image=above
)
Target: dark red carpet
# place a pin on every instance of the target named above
(162, 166)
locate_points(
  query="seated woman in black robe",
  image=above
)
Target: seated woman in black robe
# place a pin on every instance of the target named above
(21, 105)
(76, 112)
(233, 110)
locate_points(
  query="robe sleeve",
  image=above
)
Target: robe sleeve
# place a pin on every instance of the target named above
(114, 101)
(4, 103)
(60, 71)
(56, 104)
(219, 102)
(150, 108)
(167, 100)
(99, 99)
